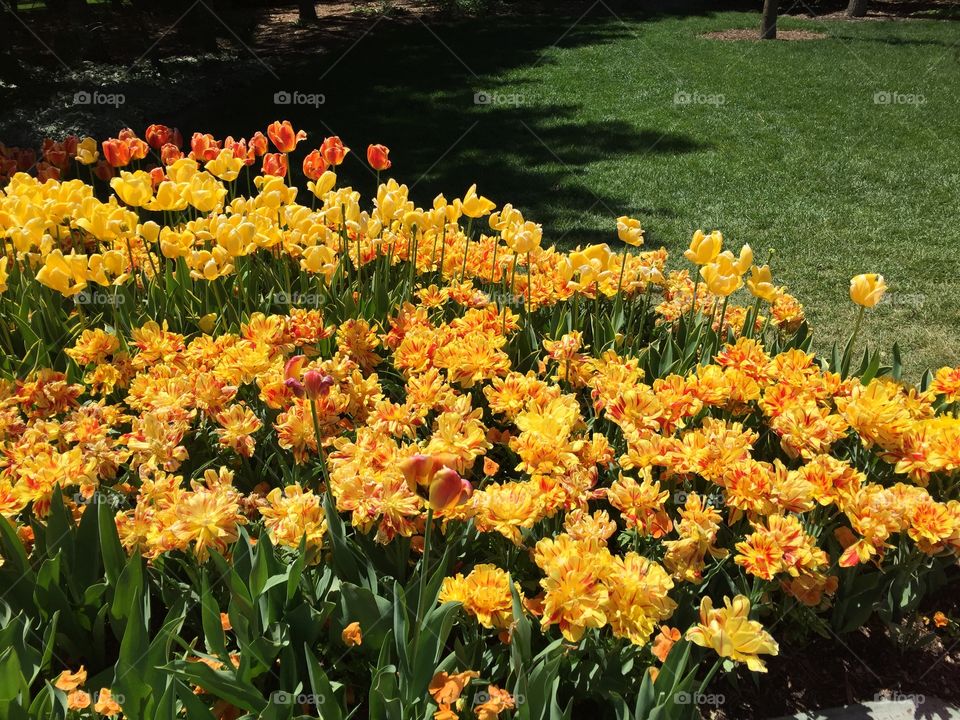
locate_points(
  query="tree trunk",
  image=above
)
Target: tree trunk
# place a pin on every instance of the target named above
(768, 21)
(308, 10)
(857, 8)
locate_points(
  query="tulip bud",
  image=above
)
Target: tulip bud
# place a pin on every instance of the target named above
(377, 156)
(295, 386)
(317, 384)
(417, 470)
(448, 489)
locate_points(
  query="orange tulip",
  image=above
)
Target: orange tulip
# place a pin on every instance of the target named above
(314, 165)
(55, 153)
(333, 150)
(116, 152)
(258, 143)
(104, 170)
(137, 147)
(448, 489)
(283, 136)
(46, 171)
(275, 164)
(170, 153)
(377, 157)
(160, 135)
(204, 147)
(157, 176)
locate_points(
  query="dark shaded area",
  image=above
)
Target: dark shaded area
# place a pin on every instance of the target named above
(909, 660)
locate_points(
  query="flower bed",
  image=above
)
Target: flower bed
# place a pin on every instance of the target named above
(276, 458)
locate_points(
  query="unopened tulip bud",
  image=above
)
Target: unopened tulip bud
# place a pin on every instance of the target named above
(317, 384)
(448, 489)
(295, 386)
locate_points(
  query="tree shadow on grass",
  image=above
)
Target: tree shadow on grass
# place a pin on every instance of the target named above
(436, 96)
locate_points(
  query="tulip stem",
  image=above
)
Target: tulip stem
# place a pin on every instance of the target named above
(693, 301)
(421, 592)
(323, 459)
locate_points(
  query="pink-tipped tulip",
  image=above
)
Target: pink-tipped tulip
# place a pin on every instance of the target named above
(448, 489)
(317, 384)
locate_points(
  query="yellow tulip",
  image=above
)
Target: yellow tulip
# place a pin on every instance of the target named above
(3, 273)
(225, 166)
(524, 238)
(205, 192)
(867, 290)
(720, 283)
(67, 275)
(207, 323)
(629, 231)
(133, 188)
(704, 249)
(182, 170)
(731, 633)
(170, 196)
(324, 184)
(761, 284)
(87, 153)
(474, 205)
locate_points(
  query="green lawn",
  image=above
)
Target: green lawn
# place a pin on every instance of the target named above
(784, 147)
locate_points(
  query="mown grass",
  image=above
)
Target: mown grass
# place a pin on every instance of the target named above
(788, 149)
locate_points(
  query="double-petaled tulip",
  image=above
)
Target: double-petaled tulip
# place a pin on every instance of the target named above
(275, 164)
(448, 489)
(629, 231)
(475, 206)
(867, 290)
(377, 156)
(704, 249)
(284, 137)
(731, 633)
(314, 165)
(333, 150)
(159, 135)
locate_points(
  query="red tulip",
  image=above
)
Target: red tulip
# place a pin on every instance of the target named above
(170, 153)
(275, 164)
(317, 384)
(160, 135)
(314, 165)
(116, 152)
(104, 170)
(283, 136)
(46, 171)
(333, 150)
(258, 143)
(203, 147)
(377, 157)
